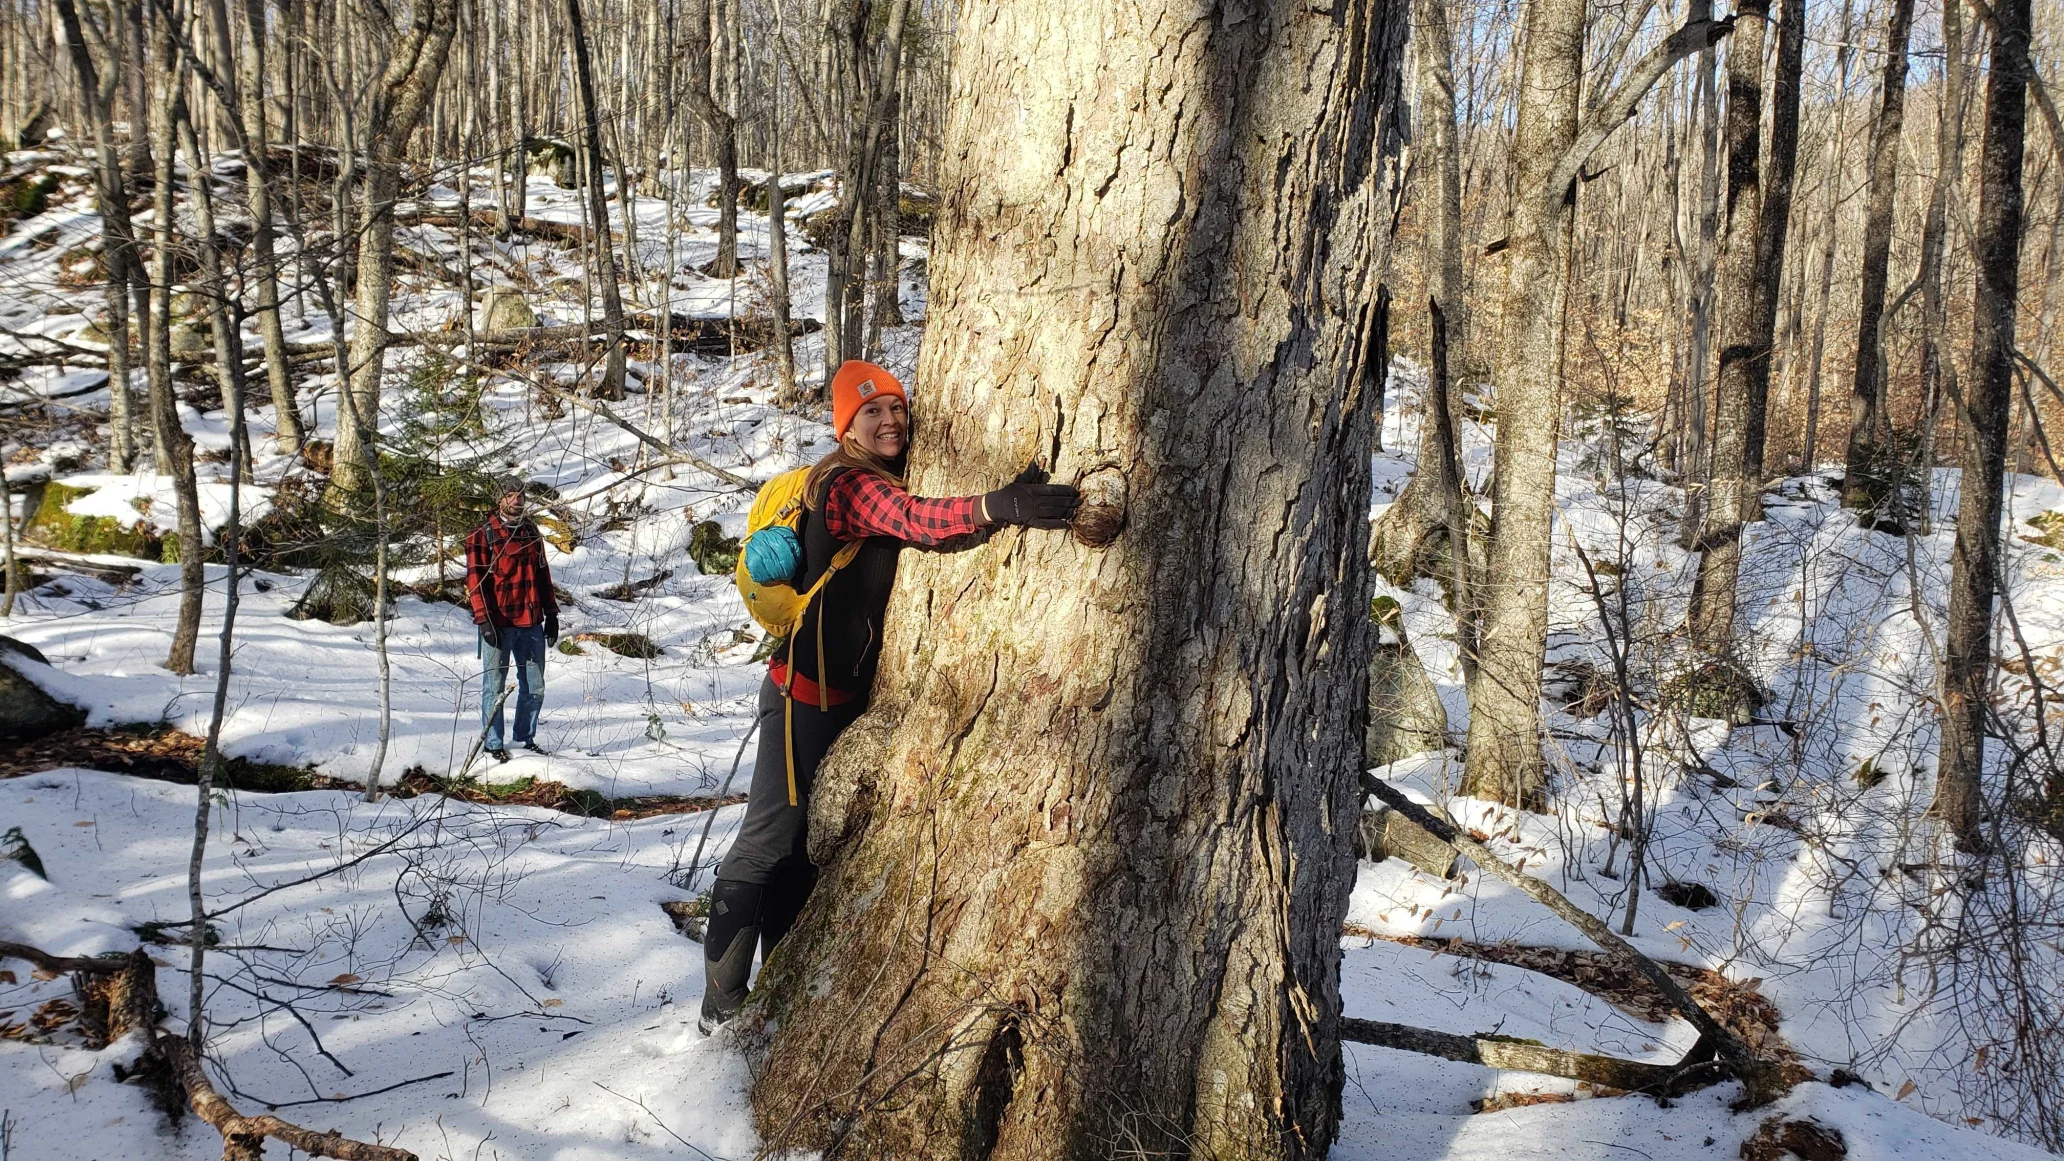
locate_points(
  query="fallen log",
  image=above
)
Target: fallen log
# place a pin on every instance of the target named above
(121, 991)
(1764, 1080)
(1524, 1056)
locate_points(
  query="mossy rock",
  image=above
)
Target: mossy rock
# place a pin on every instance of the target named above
(555, 158)
(570, 649)
(339, 594)
(2049, 530)
(636, 645)
(265, 777)
(557, 532)
(191, 342)
(25, 197)
(713, 552)
(1717, 689)
(54, 526)
(503, 308)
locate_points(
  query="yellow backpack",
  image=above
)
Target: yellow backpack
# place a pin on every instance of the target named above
(779, 607)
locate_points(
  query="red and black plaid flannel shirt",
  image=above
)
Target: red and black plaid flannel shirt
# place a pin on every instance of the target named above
(862, 504)
(506, 575)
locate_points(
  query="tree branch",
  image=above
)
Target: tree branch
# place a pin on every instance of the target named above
(1758, 1075)
(1523, 1056)
(1617, 108)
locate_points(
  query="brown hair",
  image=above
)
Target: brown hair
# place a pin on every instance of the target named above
(849, 454)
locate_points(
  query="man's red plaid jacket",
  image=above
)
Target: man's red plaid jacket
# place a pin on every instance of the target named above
(507, 579)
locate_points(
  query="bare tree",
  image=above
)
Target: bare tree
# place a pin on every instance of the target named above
(712, 50)
(117, 235)
(1550, 147)
(1868, 425)
(400, 98)
(175, 449)
(1988, 404)
(1751, 271)
(612, 384)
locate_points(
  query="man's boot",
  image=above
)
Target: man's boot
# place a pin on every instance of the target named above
(728, 943)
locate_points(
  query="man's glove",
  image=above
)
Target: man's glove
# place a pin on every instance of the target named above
(1031, 501)
(491, 635)
(551, 628)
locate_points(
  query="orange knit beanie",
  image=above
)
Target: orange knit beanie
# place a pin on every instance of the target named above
(855, 383)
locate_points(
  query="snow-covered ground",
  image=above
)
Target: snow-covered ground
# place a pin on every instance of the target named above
(511, 970)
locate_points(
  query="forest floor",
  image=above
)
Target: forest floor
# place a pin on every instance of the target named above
(491, 974)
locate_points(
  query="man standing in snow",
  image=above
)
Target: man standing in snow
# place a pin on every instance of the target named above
(510, 587)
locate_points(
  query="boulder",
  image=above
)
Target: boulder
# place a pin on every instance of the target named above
(52, 524)
(502, 308)
(26, 712)
(554, 157)
(1405, 712)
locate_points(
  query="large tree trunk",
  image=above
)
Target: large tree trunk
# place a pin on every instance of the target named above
(403, 95)
(1550, 147)
(1868, 424)
(1988, 403)
(1085, 859)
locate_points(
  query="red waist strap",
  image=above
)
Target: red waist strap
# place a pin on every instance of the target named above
(804, 690)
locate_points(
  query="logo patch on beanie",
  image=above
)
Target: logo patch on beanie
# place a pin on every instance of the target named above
(866, 390)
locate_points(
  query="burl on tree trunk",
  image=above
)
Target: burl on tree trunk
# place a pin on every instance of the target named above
(1086, 858)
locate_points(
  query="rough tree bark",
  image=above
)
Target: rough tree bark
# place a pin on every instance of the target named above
(1550, 146)
(612, 384)
(1987, 406)
(1752, 262)
(1085, 858)
(400, 98)
(1867, 421)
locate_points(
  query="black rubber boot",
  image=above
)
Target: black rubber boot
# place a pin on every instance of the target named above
(783, 901)
(728, 945)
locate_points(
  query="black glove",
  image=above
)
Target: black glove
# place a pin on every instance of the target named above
(551, 628)
(1031, 501)
(490, 634)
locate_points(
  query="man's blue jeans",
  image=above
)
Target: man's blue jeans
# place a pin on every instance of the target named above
(525, 646)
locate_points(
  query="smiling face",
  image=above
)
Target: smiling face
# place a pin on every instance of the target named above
(511, 505)
(881, 426)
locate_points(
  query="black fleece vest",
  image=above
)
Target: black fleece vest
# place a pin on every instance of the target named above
(850, 608)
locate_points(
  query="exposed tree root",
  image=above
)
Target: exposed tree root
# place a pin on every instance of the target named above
(118, 994)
